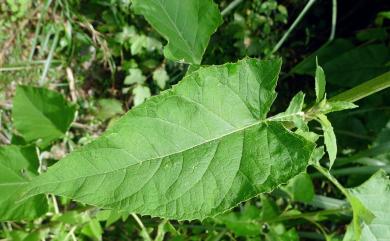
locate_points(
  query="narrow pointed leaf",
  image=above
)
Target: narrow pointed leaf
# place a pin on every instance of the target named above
(192, 152)
(17, 166)
(320, 83)
(334, 106)
(329, 138)
(186, 25)
(294, 112)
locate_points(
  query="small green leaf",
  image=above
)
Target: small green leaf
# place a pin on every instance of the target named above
(334, 106)
(244, 223)
(137, 43)
(18, 165)
(320, 83)
(296, 104)
(93, 230)
(141, 93)
(108, 108)
(300, 188)
(135, 77)
(161, 77)
(186, 25)
(317, 155)
(294, 112)
(329, 138)
(41, 114)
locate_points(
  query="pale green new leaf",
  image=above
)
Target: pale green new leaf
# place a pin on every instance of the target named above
(160, 77)
(41, 115)
(17, 166)
(320, 83)
(141, 93)
(108, 108)
(294, 112)
(135, 77)
(329, 138)
(374, 195)
(334, 106)
(192, 152)
(186, 25)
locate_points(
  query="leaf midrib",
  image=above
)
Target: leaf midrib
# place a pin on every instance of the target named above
(270, 119)
(163, 156)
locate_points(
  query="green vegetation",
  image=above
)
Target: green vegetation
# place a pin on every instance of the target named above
(194, 120)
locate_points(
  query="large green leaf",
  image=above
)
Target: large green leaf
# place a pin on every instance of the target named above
(17, 166)
(374, 195)
(41, 115)
(187, 25)
(192, 152)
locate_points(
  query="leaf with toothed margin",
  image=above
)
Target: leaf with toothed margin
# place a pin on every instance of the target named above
(192, 152)
(186, 25)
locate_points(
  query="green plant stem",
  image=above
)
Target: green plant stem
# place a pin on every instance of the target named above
(230, 7)
(293, 25)
(143, 229)
(308, 215)
(363, 90)
(38, 29)
(332, 179)
(334, 20)
(327, 203)
(49, 59)
(362, 170)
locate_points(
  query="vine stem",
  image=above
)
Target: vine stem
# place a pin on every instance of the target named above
(293, 25)
(363, 90)
(307, 215)
(142, 226)
(332, 179)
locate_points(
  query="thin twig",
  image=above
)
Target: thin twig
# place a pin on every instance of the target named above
(230, 7)
(4, 139)
(136, 218)
(55, 204)
(38, 29)
(334, 20)
(82, 126)
(49, 59)
(70, 234)
(72, 86)
(293, 25)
